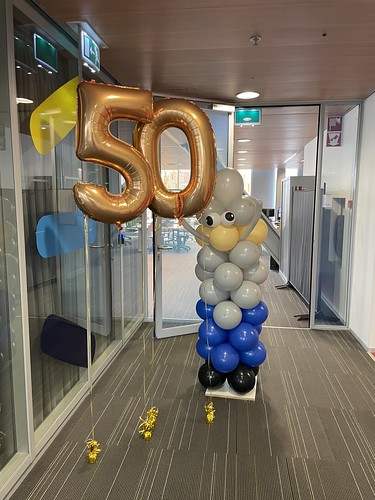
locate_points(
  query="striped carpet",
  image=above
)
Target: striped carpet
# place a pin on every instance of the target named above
(309, 434)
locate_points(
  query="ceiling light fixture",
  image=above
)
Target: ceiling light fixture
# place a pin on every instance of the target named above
(242, 151)
(243, 140)
(247, 95)
(241, 159)
(23, 100)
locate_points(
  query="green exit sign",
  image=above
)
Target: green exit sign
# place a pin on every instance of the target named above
(90, 51)
(45, 53)
(248, 117)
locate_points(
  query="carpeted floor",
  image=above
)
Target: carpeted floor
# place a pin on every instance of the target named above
(310, 434)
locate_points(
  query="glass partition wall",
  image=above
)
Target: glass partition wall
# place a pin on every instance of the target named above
(43, 351)
(13, 421)
(336, 175)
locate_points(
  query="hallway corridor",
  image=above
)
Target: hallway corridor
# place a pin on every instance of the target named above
(308, 435)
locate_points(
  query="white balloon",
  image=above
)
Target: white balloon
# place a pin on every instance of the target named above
(228, 276)
(201, 274)
(229, 186)
(258, 273)
(211, 294)
(209, 258)
(245, 254)
(244, 210)
(227, 315)
(248, 295)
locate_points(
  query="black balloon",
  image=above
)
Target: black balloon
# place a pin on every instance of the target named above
(209, 377)
(242, 379)
(255, 369)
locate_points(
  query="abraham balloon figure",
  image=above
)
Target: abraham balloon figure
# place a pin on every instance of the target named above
(230, 269)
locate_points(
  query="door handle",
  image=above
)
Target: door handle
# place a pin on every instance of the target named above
(164, 247)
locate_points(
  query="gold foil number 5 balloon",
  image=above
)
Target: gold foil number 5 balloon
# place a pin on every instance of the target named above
(98, 106)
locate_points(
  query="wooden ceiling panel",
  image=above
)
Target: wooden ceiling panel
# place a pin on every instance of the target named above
(310, 51)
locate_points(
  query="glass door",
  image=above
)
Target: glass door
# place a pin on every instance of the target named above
(176, 287)
(175, 283)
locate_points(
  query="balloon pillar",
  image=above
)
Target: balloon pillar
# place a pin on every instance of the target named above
(231, 271)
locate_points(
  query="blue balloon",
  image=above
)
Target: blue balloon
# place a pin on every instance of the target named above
(255, 357)
(212, 334)
(225, 358)
(203, 349)
(258, 328)
(256, 315)
(244, 337)
(204, 310)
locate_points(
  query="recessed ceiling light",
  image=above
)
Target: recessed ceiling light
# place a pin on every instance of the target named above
(18, 66)
(29, 73)
(243, 140)
(242, 151)
(241, 159)
(247, 95)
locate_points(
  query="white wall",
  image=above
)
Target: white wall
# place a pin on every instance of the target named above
(263, 186)
(362, 290)
(337, 162)
(309, 157)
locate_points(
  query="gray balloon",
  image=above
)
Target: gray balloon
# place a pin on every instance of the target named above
(248, 295)
(201, 274)
(245, 254)
(209, 259)
(213, 207)
(244, 210)
(211, 294)
(258, 273)
(229, 186)
(227, 315)
(228, 276)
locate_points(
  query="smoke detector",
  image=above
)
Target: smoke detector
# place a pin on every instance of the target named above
(255, 40)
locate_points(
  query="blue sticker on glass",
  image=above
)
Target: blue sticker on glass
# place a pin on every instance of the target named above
(61, 233)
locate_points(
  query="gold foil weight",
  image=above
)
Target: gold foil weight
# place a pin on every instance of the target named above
(210, 412)
(92, 451)
(147, 425)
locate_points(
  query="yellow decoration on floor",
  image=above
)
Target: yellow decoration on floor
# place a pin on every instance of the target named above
(147, 426)
(210, 412)
(54, 118)
(92, 451)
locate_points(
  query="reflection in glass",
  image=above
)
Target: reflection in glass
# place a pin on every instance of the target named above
(56, 282)
(13, 424)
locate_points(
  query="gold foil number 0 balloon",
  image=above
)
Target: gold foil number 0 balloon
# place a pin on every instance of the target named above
(194, 123)
(98, 106)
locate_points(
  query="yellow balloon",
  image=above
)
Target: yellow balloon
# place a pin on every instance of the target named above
(54, 118)
(224, 238)
(258, 234)
(205, 231)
